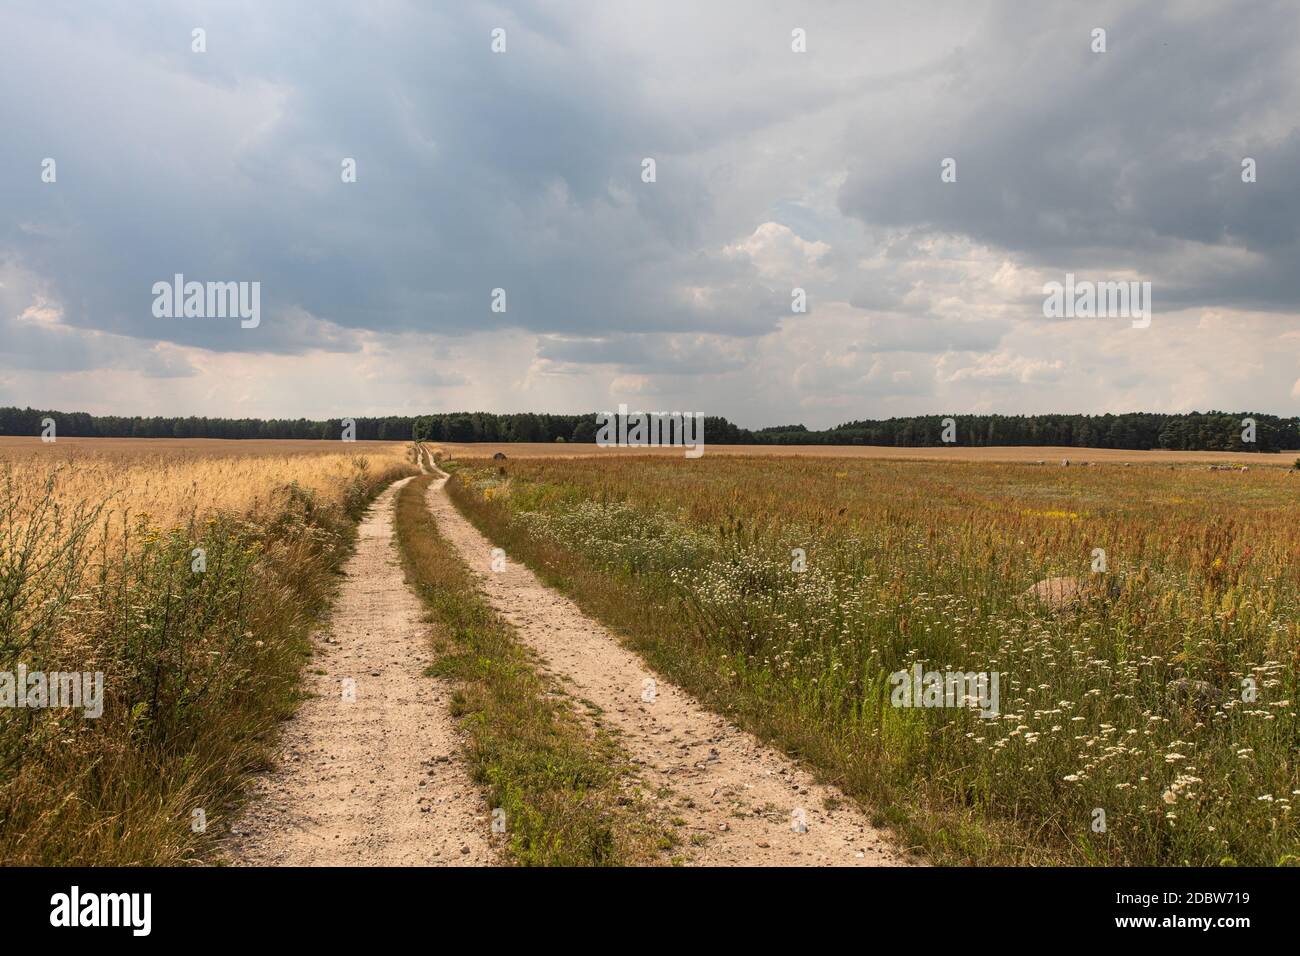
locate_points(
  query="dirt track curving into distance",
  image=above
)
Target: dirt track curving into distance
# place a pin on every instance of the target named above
(739, 799)
(376, 780)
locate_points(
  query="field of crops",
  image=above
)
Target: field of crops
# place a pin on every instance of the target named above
(170, 481)
(1147, 709)
(188, 575)
(1028, 454)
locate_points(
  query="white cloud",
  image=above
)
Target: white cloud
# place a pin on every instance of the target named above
(780, 255)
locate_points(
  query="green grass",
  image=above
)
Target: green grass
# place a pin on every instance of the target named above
(564, 785)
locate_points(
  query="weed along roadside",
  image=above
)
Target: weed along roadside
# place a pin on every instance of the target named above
(559, 788)
(198, 620)
(370, 773)
(731, 800)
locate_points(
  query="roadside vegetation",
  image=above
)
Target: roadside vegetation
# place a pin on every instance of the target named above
(564, 785)
(192, 583)
(1147, 719)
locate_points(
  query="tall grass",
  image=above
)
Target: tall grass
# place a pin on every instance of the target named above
(200, 658)
(1135, 702)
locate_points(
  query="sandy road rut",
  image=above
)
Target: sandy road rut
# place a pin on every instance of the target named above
(375, 780)
(742, 796)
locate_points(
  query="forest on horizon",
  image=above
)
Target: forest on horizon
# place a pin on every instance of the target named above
(1189, 431)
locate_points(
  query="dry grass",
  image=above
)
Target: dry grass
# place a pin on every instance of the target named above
(175, 481)
(99, 571)
(1050, 455)
(22, 445)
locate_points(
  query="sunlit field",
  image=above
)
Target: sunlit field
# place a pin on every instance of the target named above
(1030, 454)
(189, 575)
(1147, 708)
(171, 481)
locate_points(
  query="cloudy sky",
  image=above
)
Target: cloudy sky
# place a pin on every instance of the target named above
(774, 170)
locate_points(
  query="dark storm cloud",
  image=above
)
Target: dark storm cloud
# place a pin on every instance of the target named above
(518, 171)
(523, 171)
(1074, 159)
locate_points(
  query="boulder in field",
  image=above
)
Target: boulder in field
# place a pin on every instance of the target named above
(1056, 594)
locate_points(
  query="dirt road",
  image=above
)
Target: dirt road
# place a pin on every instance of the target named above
(742, 803)
(376, 779)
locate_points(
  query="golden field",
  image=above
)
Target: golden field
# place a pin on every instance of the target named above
(189, 574)
(1049, 454)
(172, 481)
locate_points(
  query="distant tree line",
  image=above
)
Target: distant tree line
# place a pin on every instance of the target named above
(1192, 431)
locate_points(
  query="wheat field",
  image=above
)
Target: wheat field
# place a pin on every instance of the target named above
(188, 575)
(171, 481)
